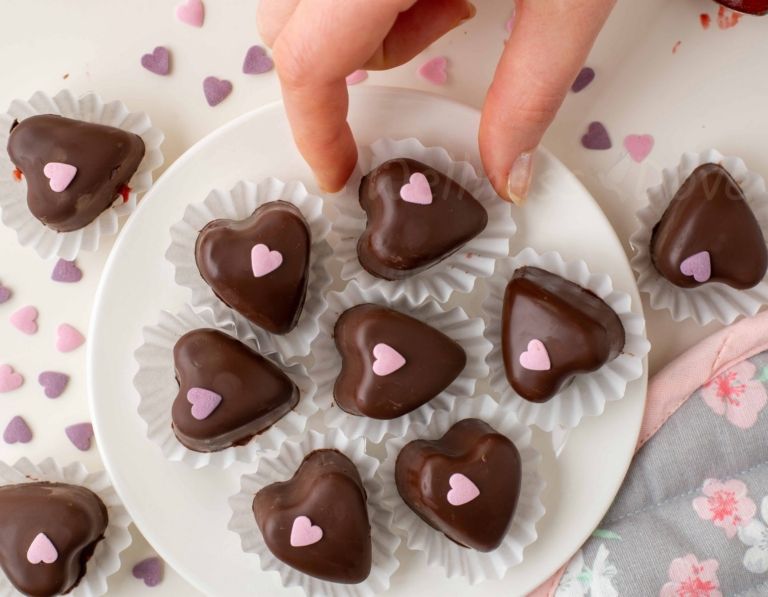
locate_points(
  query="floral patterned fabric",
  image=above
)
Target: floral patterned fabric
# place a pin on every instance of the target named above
(691, 519)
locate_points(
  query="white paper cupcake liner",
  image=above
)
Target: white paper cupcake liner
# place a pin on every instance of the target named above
(13, 194)
(458, 272)
(588, 393)
(281, 468)
(238, 204)
(454, 323)
(474, 565)
(708, 302)
(105, 560)
(156, 384)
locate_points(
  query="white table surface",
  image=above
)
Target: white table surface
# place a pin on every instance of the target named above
(709, 93)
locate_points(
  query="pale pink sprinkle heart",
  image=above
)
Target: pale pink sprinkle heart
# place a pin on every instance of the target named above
(699, 266)
(60, 175)
(17, 431)
(264, 261)
(53, 382)
(417, 190)
(357, 77)
(25, 320)
(257, 61)
(203, 402)
(191, 12)
(304, 533)
(387, 360)
(462, 490)
(216, 90)
(80, 435)
(68, 338)
(435, 71)
(42, 550)
(158, 61)
(638, 146)
(67, 272)
(9, 379)
(536, 358)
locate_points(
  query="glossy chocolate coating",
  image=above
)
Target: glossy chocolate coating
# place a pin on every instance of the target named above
(580, 332)
(487, 458)
(223, 254)
(106, 158)
(401, 238)
(753, 7)
(710, 213)
(432, 362)
(255, 393)
(72, 517)
(328, 490)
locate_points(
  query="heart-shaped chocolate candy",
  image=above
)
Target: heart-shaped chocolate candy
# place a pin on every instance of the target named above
(87, 165)
(465, 484)
(417, 217)
(553, 329)
(49, 532)
(317, 522)
(709, 234)
(259, 266)
(227, 392)
(391, 362)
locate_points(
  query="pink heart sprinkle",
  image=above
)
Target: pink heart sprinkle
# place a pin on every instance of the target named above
(42, 550)
(80, 435)
(462, 490)
(638, 146)
(53, 382)
(203, 402)
(357, 77)
(158, 61)
(25, 320)
(60, 175)
(256, 61)
(216, 90)
(66, 271)
(435, 71)
(9, 379)
(17, 431)
(191, 12)
(536, 358)
(150, 571)
(304, 533)
(68, 338)
(386, 360)
(264, 261)
(417, 190)
(699, 266)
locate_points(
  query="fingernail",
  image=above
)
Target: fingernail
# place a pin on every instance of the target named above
(519, 179)
(472, 11)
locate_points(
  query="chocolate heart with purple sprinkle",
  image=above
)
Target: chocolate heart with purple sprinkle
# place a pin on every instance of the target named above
(158, 62)
(80, 435)
(17, 431)
(150, 571)
(256, 61)
(66, 271)
(216, 90)
(597, 137)
(53, 382)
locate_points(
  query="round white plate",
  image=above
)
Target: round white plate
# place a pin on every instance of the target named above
(184, 512)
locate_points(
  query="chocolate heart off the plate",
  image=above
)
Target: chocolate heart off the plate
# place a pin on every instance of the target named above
(50, 531)
(465, 484)
(259, 266)
(417, 217)
(317, 522)
(391, 363)
(709, 234)
(227, 392)
(74, 170)
(553, 329)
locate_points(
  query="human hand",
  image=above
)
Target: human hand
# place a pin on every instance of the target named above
(317, 43)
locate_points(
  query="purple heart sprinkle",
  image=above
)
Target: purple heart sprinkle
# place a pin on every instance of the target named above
(158, 62)
(216, 90)
(584, 78)
(66, 271)
(80, 435)
(53, 382)
(256, 61)
(150, 571)
(17, 431)
(5, 294)
(596, 137)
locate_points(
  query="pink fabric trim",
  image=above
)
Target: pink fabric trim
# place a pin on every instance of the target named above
(673, 385)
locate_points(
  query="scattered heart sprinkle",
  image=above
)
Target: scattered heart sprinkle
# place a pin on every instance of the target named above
(150, 570)
(191, 12)
(216, 90)
(66, 271)
(25, 320)
(257, 61)
(80, 435)
(53, 382)
(596, 137)
(17, 431)
(435, 70)
(583, 79)
(158, 61)
(9, 379)
(5, 294)
(68, 338)
(638, 146)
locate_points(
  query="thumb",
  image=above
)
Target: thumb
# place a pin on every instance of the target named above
(548, 46)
